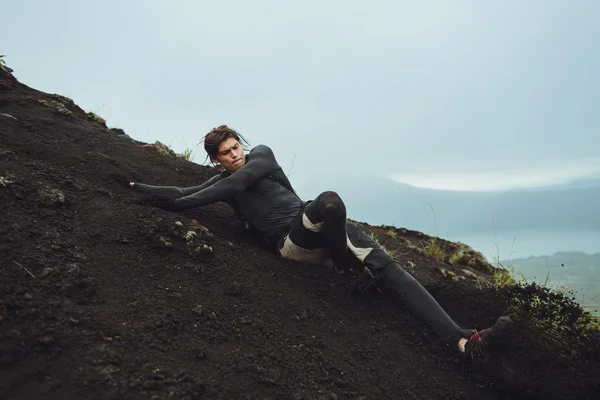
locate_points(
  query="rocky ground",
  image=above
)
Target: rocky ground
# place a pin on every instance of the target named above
(104, 298)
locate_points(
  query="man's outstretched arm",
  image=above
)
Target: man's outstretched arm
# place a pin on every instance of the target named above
(219, 188)
(261, 163)
(173, 192)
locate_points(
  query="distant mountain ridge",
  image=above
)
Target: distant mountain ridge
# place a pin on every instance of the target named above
(382, 201)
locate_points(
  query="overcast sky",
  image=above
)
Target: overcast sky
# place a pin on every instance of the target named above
(463, 95)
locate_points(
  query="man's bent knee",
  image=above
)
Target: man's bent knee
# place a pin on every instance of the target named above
(331, 205)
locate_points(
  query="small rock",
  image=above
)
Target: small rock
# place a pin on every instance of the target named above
(96, 119)
(470, 274)
(303, 315)
(118, 131)
(47, 272)
(47, 339)
(202, 250)
(204, 230)
(62, 99)
(58, 107)
(104, 192)
(160, 148)
(8, 116)
(108, 370)
(189, 236)
(158, 377)
(198, 309)
(73, 268)
(52, 196)
(448, 274)
(234, 289)
(164, 242)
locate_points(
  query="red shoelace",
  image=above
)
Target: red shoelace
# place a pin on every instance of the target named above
(476, 335)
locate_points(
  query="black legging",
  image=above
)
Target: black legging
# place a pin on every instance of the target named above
(323, 224)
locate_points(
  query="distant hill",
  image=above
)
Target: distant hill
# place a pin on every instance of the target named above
(382, 201)
(572, 270)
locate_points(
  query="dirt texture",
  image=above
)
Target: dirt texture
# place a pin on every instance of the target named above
(102, 297)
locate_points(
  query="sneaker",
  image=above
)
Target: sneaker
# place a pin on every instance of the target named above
(477, 343)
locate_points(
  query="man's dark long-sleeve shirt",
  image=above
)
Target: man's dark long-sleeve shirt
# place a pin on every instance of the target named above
(259, 191)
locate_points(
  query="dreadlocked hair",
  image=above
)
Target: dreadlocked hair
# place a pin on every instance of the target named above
(217, 135)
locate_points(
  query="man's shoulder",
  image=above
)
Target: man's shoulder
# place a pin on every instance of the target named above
(261, 149)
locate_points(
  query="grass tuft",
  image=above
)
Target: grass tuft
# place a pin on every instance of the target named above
(187, 154)
(435, 251)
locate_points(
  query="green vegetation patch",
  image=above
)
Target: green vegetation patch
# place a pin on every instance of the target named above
(561, 324)
(3, 65)
(7, 180)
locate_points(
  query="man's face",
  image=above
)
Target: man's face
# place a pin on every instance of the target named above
(231, 155)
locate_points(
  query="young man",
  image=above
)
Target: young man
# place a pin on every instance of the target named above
(261, 194)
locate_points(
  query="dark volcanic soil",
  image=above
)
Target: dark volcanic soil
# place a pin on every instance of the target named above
(104, 298)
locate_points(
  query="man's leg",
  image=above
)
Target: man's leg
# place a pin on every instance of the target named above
(326, 216)
(389, 275)
(321, 226)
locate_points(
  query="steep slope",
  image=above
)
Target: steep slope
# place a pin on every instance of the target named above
(104, 298)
